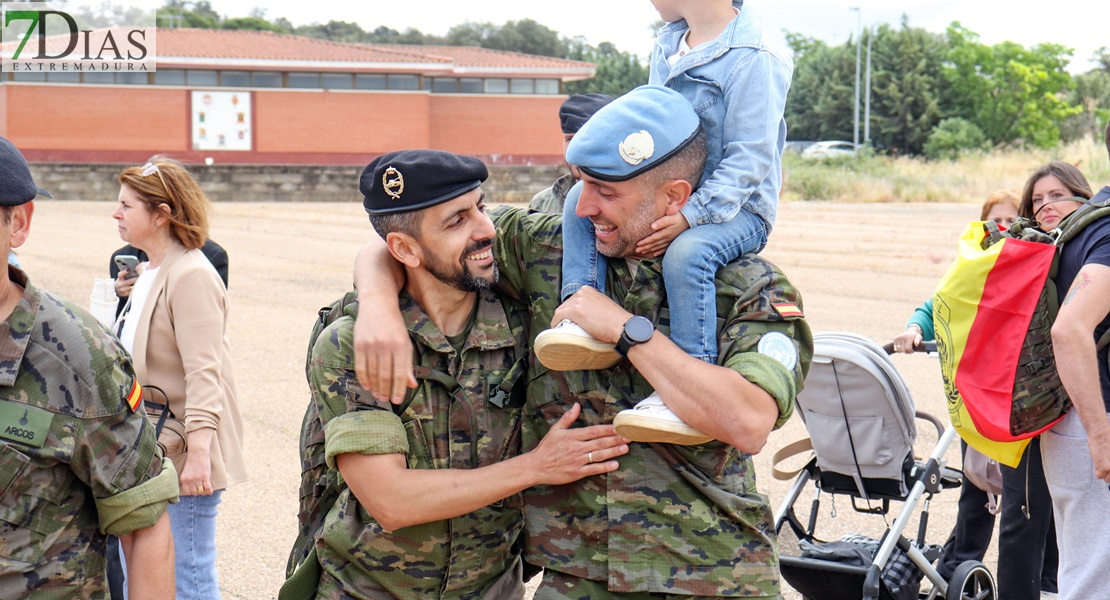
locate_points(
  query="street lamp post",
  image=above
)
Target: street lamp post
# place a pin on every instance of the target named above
(867, 90)
(855, 112)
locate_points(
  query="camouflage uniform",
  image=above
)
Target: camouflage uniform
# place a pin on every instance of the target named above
(460, 417)
(684, 520)
(551, 200)
(76, 462)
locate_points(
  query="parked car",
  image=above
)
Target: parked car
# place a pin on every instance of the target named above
(829, 149)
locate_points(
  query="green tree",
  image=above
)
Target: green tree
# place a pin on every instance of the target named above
(1102, 58)
(529, 37)
(1092, 96)
(952, 137)
(617, 72)
(387, 35)
(195, 14)
(906, 63)
(252, 24)
(1013, 94)
(822, 95)
(336, 31)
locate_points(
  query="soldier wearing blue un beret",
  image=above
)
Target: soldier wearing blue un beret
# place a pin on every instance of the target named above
(431, 503)
(672, 520)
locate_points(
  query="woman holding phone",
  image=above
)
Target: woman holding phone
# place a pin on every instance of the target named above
(175, 326)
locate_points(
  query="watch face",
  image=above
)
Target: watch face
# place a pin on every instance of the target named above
(639, 329)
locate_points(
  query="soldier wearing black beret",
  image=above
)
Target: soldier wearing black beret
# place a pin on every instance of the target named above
(436, 475)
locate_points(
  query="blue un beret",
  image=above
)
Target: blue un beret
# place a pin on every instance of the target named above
(409, 180)
(633, 134)
(578, 109)
(16, 184)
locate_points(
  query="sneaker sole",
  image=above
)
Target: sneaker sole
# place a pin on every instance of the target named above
(563, 352)
(644, 429)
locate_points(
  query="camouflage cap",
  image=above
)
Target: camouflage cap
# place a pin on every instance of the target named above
(634, 133)
(409, 180)
(16, 184)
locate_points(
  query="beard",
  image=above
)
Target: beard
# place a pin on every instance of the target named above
(460, 276)
(635, 228)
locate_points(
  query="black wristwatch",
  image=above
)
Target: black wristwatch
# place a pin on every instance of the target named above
(637, 330)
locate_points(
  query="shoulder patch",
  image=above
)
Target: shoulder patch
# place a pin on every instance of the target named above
(779, 347)
(135, 395)
(787, 309)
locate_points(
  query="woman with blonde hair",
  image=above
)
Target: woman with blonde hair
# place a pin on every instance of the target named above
(175, 326)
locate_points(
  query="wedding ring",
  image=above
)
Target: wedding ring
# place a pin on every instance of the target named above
(590, 456)
(201, 489)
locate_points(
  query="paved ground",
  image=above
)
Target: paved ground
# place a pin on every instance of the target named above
(861, 267)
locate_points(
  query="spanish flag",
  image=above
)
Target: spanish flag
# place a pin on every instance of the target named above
(981, 311)
(135, 396)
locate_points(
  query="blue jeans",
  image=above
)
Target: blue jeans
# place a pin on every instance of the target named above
(690, 266)
(193, 521)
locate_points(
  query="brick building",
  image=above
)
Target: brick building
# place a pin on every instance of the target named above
(253, 97)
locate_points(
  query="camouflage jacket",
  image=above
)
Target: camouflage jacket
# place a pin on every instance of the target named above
(551, 200)
(672, 519)
(75, 460)
(463, 415)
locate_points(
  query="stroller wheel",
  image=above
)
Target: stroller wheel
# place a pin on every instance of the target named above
(971, 581)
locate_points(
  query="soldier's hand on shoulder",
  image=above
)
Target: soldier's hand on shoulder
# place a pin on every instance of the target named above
(383, 356)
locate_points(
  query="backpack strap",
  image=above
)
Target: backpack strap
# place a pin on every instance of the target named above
(508, 392)
(1077, 221)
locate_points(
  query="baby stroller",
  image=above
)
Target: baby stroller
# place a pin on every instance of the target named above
(861, 422)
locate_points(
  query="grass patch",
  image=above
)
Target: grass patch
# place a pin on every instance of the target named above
(870, 178)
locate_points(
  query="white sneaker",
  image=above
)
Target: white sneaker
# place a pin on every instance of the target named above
(567, 347)
(651, 421)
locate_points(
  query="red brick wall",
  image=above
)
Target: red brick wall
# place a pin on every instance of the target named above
(83, 117)
(349, 122)
(3, 110)
(81, 124)
(487, 125)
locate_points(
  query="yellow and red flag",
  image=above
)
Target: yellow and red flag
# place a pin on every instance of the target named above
(982, 310)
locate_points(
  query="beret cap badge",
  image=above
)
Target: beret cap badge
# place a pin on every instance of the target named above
(393, 183)
(637, 147)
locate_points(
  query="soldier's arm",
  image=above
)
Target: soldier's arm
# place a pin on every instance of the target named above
(397, 496)
(150, 566)
(716, 400)
(383, 351)
(1085, 306)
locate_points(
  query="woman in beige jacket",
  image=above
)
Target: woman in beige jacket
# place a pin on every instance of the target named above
(175, 325)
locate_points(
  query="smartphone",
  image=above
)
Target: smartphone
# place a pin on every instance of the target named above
(127, 262)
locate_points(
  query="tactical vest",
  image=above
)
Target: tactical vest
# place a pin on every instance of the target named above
(320, 487)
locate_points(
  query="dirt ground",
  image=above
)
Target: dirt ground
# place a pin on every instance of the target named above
(861, 268)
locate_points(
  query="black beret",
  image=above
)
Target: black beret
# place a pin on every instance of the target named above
(409, 180)
(16, 185)
(576, 110)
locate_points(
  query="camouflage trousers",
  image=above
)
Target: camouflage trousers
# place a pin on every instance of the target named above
(509, 587)
(560, 586)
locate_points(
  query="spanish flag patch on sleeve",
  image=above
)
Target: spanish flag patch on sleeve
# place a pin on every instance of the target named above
(135, 396)
(787, 309)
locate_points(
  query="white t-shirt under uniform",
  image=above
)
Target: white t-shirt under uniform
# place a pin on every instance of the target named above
(140, 291)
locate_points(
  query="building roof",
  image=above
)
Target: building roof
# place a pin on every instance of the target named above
(186, 47)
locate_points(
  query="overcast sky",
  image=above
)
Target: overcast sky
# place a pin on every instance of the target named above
(1078, 24)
